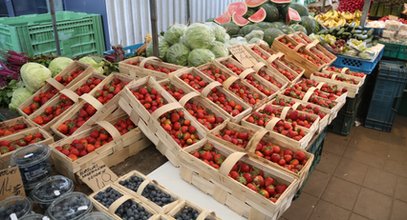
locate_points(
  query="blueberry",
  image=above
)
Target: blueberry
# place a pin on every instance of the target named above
(107, 197)
(70, 206)
(154, 194)
(130, 210)
(132, 183)
(187, 213)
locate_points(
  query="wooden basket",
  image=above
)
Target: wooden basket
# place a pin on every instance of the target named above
(317, 87)
(230, 96)
(68, 93)
(84, 79)
(264, 70)
(344, 70)
(203, 214)
(178, 85)
(232, 126)
(19, 120)
(5, 158)
(232, 193)
(215, 65)
(231, 80)
(75, 65)
(222, 61)
(115, 205)
(352, 88)
(257, 79)
(194, 71)
(138, 194)
(269, 138)
(112, 153)
(276, 64)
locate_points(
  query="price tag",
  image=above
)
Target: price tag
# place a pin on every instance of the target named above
(11, 183)
(243, 56)
(97, 175)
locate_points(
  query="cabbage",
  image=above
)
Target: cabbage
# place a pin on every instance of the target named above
(255, 34)
(219, 49)
(258, 41)
(236, 41)
(218, 31)
(19, 96)
(92, 62)
(178, 54)
(174, 33)
(199, 36)
(34, 75)
(198, 57)
(58, 64)
(162, 48)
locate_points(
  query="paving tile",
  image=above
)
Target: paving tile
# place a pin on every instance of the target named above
(354, 216)
(370, 146)
(397, 155)
(373, 205)
(380, 180)
(316, 183)
(301, 208)
(363, 157)
(325, 211)
(328, 162)
(335, 148)
(399, 211)
(400, 169)
(336, 138)
(401, 189)
(341, 193)
(351, 171)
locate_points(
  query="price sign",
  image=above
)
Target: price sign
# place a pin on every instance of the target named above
(11, 183)
(243, 56)
(97, 175)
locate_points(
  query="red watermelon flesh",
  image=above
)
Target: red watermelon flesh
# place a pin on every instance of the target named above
(258, 16)
(239, 20)
(223, 19)
(254, 3)
(281, 1)
(293, 15)
(240, 8)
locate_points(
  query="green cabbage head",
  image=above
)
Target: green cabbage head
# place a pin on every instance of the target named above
(219, 49)
(219, 31)
(19, 96)
(58, 64)
(98, 66)
(178, 54)
(34, 75)
(162, 48)
(198, 57)
(174, 33)
(199, 36)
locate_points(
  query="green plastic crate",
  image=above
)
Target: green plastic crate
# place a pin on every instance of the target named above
(397, 51)
(79, 34)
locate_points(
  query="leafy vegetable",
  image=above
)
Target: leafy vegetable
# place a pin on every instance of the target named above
(97, 65)
(199, 36)
(219, 49)
(7, 92)
(255, 34)
(198, 57)
(162, 48)
(178, 54)
(219, 31)
(258, 41)
(174, 33)
(58, 64)
(34, 75)
(19, 96)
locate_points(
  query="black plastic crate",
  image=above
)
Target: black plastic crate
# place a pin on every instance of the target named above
(381, 114)
(342, 124)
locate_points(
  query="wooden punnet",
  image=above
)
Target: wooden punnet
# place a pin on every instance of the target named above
(14, 121)
(346, 71)
(353, 89)
(203, 214)
(135, 67)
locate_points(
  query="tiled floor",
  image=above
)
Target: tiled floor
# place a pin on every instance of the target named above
(361, 176)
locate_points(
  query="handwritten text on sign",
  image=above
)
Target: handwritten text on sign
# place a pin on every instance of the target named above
(11, 183)
(97, 176)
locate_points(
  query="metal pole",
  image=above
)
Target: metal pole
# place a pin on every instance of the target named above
(54, 26)
(188, 12)
(153, 12)
(365, 11)
(323, 5)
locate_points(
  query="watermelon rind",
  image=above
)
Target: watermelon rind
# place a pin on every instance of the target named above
(281, 1)
(271, 34)
(271, 11)
(259, 16)
(247, 29)
(298, 27)
(264, 25)
(301, 9)
(231, 28)
(249, 13)
(238, 8)
(240, 20)
(309, 23)
(293, 15)
(254, 3)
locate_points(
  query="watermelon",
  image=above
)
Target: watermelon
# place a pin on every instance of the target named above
(264, 25)
(309, 23)
(271, 11)
(301, 9)
(281, 1)
(259, 16)
(293, 16)
(287, 30)
(223, 19)
(298, 27)
(239, 8)
(231, 28)
(249, 13)
(271, 34)
(247, 29)
(278, 24)
(240, 20)
(254, 3)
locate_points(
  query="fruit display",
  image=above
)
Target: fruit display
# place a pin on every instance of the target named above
(327, 91)
(310, 108)
(18, 205)
(70, 206)
(260, 85)
(53, 110)
(247, 93)
(301, 118)
(68, 78)
(341, 70)
(153, 67)
(107, 197)
(289, 74)
(233, 65)
(77, 119)
(110, 90)
(195, 79)
(340, 77)
(6, 129)
(234, 134)
(50, 189)
(27, 139)
(258, 118)
(174, 90)
(204, 115)
(149, 97)
(40, 99)
(290, 129)
(232, 106)
(187, 213)
(179, 128)
(333, 18)
(268, 76)
(215, 73)
(88, 85)
(209, 155)
(381, 9)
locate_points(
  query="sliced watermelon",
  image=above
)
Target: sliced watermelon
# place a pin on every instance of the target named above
(223, 19)
(281, 1)
(254, 3)
(239, 20)
(240, 8)
(293, 15)
(259, 16)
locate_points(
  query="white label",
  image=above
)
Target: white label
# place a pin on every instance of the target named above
(45, 218)
(57, 193)
(84, 207)
(28, 155)
(13, 216)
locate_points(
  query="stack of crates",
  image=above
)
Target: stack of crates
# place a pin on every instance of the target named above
(387, 94)
(79, 34)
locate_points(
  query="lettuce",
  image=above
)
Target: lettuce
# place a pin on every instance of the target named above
(178, 54)
(198, 57)
(162, 48)
(174, 33)
(219, 49)
(58, 64)
(34, 75)
(19, 96)
(199, 36)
